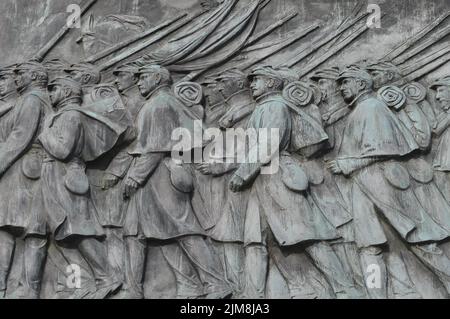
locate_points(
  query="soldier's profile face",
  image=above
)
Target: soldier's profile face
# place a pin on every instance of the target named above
(147, 83)
(349, 89)
(380, 78)
(7, 84)
(76, 75)
(443, 97)
(124, 80)
(213, 95)
(327, 86)
(228, 87)
(259, 86)
(55, 94)
(23, 79)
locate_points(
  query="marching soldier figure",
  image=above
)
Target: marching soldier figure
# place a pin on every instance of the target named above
(106, 184)
(159, 191)
(279, 212)
(8, 99)
(228, 229)
(62, 207)
(413, 117)
(21, 159)
(373, 139)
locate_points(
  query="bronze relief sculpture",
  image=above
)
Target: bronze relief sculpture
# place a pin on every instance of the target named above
(231, 149)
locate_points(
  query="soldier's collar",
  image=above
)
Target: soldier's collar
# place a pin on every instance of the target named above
(10, 95)
(156, 90)
(74, 101)
(361, 97)
(267, 96)
(129, 90)
(31, 87)
(244, 93)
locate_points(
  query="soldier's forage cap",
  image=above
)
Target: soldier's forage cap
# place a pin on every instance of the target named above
(154, 68)
(231, 74)
(445, 81)
(7, 70)
(288, 75)
(267, 71)
(55, 65)
(209, 80)
(330, 74)
(85, 68)
(67, 83)
(356, 73)
(30, 66)
(383, 66)
(128, 67)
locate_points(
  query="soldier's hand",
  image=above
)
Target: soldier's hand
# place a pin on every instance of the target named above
(236, 184)
(109, 180)
(225, 122)
(130, 187)
(210, 168)
(334, 167)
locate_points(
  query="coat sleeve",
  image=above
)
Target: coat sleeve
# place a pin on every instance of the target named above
(120, 164)
(349, 166)
(144, 166)
(260, 153)
(60, 140)
(25, 126)
(419, 126)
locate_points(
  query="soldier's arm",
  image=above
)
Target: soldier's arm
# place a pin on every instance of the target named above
(420, 128)
(442, 124)
(61, 139)
(25, 127)
(120, 164)
(144, 166)
(275, 119)
(349, 166)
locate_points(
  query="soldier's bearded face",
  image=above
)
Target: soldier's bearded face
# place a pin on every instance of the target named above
(7, 84)
(125, 80)
(443, 97)
(349, 89)
(23, 79)
(147, 83)
(259, 86)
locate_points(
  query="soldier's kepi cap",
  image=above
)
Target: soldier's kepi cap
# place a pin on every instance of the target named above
(356, 73)
(383, 66)
(445, 81)
(329, 74)
(66, 82)
(127, 67)
(288, 75)
(8, 70)
(230, 74)
(154, 68)
(30, 66)
(85, 68)
(208, 80)
(267, 71)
